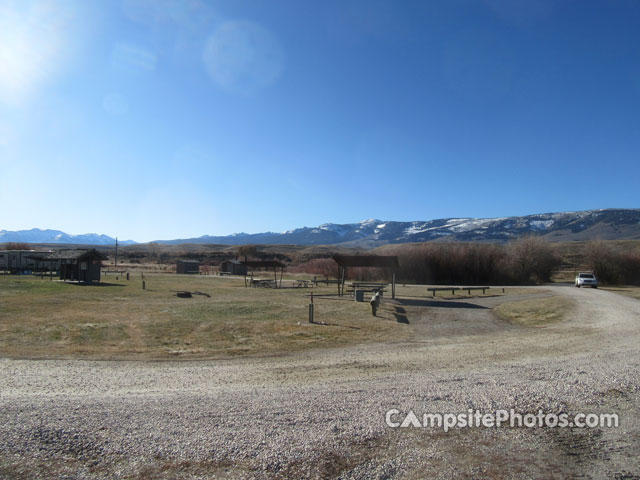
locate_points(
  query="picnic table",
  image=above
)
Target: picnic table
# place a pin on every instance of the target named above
(367, 287)
(301, 283)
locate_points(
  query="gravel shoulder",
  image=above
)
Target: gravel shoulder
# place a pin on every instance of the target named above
(321, 413)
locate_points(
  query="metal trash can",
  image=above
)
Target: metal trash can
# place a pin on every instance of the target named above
(359, 294)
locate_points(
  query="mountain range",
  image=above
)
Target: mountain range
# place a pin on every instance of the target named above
(603, 224)
(36, 235)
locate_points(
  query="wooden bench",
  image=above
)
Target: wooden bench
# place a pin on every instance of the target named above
(119, 272)
(441, 289)
(468, 289)
(453, 289)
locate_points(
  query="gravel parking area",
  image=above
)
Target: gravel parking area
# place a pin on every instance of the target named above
(321, 414)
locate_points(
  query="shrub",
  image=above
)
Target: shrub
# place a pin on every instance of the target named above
(530, 260)
(16, 246)
(324, 267)
(611, 264)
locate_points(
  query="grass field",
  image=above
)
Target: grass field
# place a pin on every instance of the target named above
(41, 318)
(633, 292)
(118, 319)
(536, 312)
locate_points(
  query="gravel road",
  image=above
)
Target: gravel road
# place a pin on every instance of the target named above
(321, 414)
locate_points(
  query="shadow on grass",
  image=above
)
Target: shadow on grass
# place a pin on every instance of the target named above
(435, 303)
(101, 284)
(458, 295)
(401, 315)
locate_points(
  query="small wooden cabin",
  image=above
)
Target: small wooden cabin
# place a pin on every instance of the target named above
(79, 265)
(188, 266)
(233, 267)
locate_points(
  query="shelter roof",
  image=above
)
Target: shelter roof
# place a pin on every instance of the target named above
(74, 254)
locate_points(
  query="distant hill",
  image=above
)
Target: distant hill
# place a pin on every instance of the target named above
(35, 235)
(605, 224)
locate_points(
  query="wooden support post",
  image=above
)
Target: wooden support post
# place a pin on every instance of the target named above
(275, 276)
(144, 285)
(281, 272)
(393, 285)
(311, 312)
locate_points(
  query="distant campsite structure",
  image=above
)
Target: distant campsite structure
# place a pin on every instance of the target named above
(78, 264)
(81, 265)
(233, 267)
(188, 267)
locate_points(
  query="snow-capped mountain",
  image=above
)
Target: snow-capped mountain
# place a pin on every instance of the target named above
(35, 235)
(566, 226)
(605, 224)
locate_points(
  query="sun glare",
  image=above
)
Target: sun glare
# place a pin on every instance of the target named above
(33, 37)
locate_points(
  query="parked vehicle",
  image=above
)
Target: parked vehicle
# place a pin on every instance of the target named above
(584, 279)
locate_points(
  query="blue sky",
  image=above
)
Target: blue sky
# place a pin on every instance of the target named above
(158, 119)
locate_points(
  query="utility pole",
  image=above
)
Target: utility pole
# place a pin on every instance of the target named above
(116, 252)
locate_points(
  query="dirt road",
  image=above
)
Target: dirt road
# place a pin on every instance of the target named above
(322, 414)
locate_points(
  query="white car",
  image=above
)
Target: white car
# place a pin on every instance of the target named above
(584, 279)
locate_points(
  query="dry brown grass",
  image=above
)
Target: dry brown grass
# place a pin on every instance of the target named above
(42, 318)
(535, 312)
(633, 292)
(117, 319)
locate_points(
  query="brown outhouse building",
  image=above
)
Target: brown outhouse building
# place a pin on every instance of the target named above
(233, 267)
(187, 266)
(79, 265)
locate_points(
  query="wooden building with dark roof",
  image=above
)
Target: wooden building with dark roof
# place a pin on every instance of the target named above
(79, 265)
(233, 267)
(188, 266)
